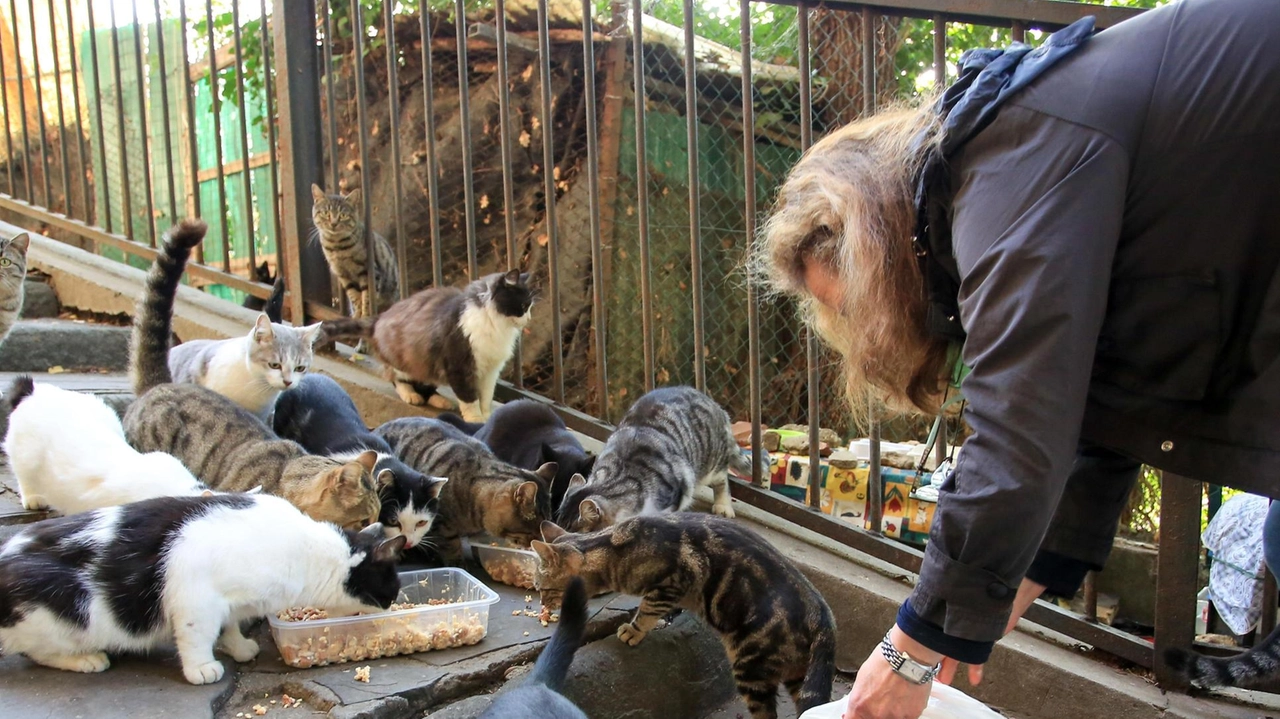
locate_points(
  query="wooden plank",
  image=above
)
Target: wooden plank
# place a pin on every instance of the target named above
(231, 168)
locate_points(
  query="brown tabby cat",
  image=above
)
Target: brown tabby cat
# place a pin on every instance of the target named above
(774, 625)
(339, 222)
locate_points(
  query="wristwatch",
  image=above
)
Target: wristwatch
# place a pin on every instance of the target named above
(905, 666)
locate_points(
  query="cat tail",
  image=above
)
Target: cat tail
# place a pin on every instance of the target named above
(553, 666)
(740, 462)
(816, 688)
(1263, 660)
(152, 321)
(275, 302)
(346, 328)
(21, 389)
(468, 427)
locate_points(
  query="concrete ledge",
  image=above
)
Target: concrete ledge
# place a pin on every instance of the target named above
(37, 345)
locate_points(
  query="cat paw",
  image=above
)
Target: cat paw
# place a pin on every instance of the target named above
(241, 649)
(723, 510)
(84, 663)
(630, 634)
(206, 673)
(409, 395)
(439, 401)
(34, 502)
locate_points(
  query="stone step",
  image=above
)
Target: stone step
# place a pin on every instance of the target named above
(37, 345)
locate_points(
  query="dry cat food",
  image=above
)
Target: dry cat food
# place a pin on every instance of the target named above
(508, 565)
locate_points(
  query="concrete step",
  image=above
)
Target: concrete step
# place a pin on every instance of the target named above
(37, 345)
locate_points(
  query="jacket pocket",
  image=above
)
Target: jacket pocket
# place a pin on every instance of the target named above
(1161, 336)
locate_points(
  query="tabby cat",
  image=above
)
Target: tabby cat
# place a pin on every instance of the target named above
(444, 335)
(223, 444)
(539, 696)
(339, 222)
(13, 272)
(669, 442)
(1259, 663)
(774, 625)
(180, 570)
(483, 494)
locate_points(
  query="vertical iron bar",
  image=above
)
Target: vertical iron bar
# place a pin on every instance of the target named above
(35, 68)
(749, 211)
(22, 101)
(433, 163)
(8, 119)
(1176, 569)
(549, 190)
(1018, 32)
(62, 118)
(82, 151)
(126, 188)
(642, 195)
(393, 102)
(97, 109)
(940, 445)
(216, 111)
(251, 237)
(695, 200)
(1091, 597)
(193, 148)
(504, 135)
(164, 116)
(811, 343)
(939, 52)
(875, 482)
(269, 91)
(306, 273)
(464, 112)
(143, 129)
(1267, 622)
(599, 316)
(330, 101)
(358, 31)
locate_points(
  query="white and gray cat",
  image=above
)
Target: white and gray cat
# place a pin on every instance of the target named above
(184, 571)
(13, 271)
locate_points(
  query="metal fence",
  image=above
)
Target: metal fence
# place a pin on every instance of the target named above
(618, 153)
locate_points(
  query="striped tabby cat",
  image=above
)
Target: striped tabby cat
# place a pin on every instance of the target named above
(13, 271)
(224, 445)
(774, 625)
(339, 223)
(671, 441)
(483, 494)
(1259, 663)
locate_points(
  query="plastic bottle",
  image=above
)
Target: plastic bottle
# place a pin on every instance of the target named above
(944, 703)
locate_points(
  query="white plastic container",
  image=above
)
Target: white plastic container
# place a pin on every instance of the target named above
(505, 563)
(944, 703)
(465, 621)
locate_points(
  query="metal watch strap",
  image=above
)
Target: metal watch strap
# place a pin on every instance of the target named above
(906, 667)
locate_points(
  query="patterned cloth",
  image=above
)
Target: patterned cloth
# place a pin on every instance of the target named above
(1234, 540)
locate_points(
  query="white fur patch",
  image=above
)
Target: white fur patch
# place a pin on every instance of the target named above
(492, 336)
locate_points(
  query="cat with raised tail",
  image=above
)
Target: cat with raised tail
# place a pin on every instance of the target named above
(448, 336)
(180, 570)
(339, 223)
(224, 445)
(69, 454)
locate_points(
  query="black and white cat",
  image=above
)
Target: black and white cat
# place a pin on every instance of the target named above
(319, 415)
(184, 571)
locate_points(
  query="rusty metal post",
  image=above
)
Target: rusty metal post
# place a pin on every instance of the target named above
(1176, 572)
(298, 99)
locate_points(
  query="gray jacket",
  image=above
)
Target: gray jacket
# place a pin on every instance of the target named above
(1116, 230)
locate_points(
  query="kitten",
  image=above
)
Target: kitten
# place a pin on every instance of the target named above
(340, 225)
(539, 695)
(273, 306)
(184, 570)
(774, 625)
(250, 370)
(671, 441)
(1257, 664)
(318, 414)
(68, 453)
(528, 434)
(223, 444)
(13, 273)
(444, 335)
(483, 494)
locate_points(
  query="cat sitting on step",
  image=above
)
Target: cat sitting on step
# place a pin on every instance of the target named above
(339, 223)
(184, 570)
(13, 273)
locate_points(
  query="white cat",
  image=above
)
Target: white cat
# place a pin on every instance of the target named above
(187, 571)
(69, 454)
(252, 370)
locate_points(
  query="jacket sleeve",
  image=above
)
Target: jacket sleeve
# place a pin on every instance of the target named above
(1036, 219)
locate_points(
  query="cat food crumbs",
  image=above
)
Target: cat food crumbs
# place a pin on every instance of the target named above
(515, 613)
(526, 634)
(545, 617)
(259, 710)
(511, 572)
(302, 614)
(289, 702)
(57, 369)
(527, 599)
(389, 636)
(362, 674)
(273, 701)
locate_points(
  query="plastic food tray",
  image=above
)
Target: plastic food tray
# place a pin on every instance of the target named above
(506, 564)
(318, 642)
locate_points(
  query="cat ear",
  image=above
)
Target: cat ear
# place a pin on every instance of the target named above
(311, 333)
(577, 480)
(552, 531)
(527, 494)
(389, 550)
(373, 531)
(548, 471)
(587, 465)
(21, 242)
(350, 473)
(546, 553)
(368, 460)
(590, 511)
(262, 331)
(435, 485)
(512, 277)
(386, 478)
(317, 194)
(355, 197)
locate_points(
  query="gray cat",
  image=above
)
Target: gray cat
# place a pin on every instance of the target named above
(13, 271)
(224, 445)
(339, 221)
(671, 441)
(483, 494)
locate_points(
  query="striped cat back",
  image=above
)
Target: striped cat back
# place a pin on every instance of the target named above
(339, 222)
(1260, 663)
(13, 271)
(669, 442)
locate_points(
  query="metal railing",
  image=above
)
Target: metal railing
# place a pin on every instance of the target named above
(528, 164)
